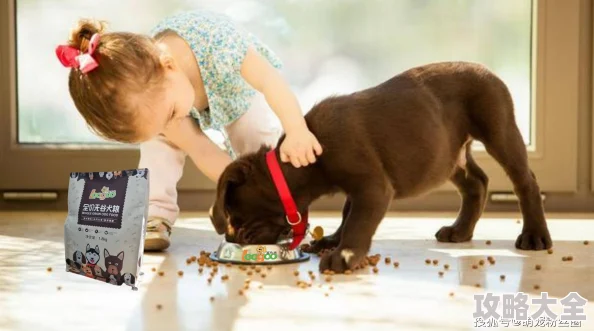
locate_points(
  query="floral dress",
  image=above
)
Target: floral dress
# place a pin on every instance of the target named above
(219, 47)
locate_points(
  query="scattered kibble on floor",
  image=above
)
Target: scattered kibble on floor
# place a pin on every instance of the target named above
(586, 242)
(180, 273)
(440, 274)
(427, 261)
(482, 262)
(212, 299)
(451, 294)
(536, 287)
(488, 242)
(161, 273)
(446, 266)
(474, 266)
(59, 288)
(502, 277)
(159, 307)
(49, 269)
(538, 267)
(153, 269)
(388, 260)
(375, 270)
(550, 251)
(435, 262)
(296, 273)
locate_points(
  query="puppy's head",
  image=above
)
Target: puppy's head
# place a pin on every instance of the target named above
(247, 208)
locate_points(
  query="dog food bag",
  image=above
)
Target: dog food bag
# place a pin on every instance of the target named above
(106, 224)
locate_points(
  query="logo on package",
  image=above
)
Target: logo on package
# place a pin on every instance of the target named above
(102, 202)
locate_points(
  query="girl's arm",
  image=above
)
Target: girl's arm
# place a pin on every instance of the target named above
(300, 145)
(205, 154)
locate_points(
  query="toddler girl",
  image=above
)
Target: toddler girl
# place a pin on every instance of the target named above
(197, 71)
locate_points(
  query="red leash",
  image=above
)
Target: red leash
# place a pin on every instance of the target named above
(297, 221)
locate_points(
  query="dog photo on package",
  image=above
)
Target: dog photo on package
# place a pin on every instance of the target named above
(106, 223)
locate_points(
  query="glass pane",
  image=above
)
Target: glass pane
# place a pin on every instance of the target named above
(328, 46)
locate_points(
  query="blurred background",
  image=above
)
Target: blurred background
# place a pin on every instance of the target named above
(327, 46)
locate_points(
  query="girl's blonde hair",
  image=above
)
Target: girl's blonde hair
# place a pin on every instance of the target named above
(127, 63)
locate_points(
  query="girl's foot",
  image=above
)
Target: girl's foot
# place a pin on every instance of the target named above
(158, 233)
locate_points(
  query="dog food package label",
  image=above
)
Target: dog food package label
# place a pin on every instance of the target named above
(106, 224)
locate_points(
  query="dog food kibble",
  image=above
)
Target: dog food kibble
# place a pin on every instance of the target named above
(474, 266)
(502, 277)
(240, 292)
(211, 299)
(269, 267)
(49, 269)
(188, 261)
(224, 277)
(564, 258)
(482, 262)
(538, 267)
(348, 272)
(517, 221)
(246, 286)
(375, 270)
(388, 260)
(537, 287)
(312, 276)
(193, 258)
(242, 268)
(326, 272)
(228, 265)
(253, 267)
(331, 288)
(570, 258)
(328, 279)
(200, 269)
(215, 269)
(446, 266)
(59, 288)
(296, 273)
(440, 274)
(260, 287)
(153, 269)
(435, 262)
(488, 242)
(159, 307)
(161, 273)
(209, 280)
(550, 251)
(427, 261)
(477, 285)
(326, 294)
(263, 275)
(586, 242)
(396, 264)
(180, 273)
(249, 273)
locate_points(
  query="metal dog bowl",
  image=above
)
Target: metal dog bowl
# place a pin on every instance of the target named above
(257, 254)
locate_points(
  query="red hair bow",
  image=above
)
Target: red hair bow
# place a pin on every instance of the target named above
(71, 57)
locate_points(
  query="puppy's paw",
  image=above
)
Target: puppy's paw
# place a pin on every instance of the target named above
(327, 242)
(537, 240)
(450, 234)
(341, 259)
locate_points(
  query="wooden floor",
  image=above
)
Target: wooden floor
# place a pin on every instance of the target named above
(410, 297)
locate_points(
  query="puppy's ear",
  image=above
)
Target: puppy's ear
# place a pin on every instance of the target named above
(121, 256)
(234, 175)
(105, 253)
(97, 249)
(88, 247)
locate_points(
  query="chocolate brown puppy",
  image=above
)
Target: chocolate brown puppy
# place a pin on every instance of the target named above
(396, 140)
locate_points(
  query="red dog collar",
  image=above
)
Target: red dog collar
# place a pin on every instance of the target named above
(297, 221)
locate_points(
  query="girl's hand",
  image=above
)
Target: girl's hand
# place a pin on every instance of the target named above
(300, 147)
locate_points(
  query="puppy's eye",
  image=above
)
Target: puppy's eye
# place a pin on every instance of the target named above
(116, 264)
